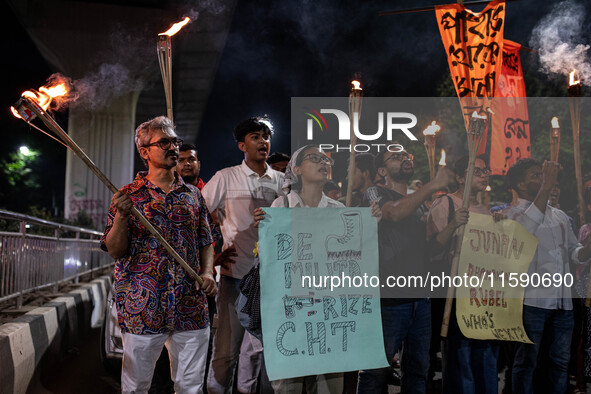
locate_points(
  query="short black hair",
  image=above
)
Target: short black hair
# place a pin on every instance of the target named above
(186, 147)
(276, 157)
(378, 161)
(517, 171)
(251, 125)
(365, 162)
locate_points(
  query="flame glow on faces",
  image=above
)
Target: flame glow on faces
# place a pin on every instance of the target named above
(176, 27)
(356, 85)
(432, 129)
(442, 161)
(571, 79)
(555, 124)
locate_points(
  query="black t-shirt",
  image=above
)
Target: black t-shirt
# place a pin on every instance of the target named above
(402, 247)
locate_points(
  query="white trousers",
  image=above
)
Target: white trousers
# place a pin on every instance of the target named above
(187, 351)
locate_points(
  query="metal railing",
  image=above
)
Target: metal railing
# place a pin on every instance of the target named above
(30, 262)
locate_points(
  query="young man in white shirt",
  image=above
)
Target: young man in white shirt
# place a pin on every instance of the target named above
(235, 192)
(547, 311)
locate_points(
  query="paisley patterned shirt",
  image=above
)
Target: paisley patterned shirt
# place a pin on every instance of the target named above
(153, 293)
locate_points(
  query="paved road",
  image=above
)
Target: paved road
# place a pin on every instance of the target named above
(80, 371)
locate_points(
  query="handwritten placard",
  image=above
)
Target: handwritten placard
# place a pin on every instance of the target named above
(497, 254)
(312, 322)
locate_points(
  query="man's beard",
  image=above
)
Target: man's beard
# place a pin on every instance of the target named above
(189, 179)
(403, 176)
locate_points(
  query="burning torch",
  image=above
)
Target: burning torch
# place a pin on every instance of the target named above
(574, 100)
(430, 134)
(35, 104)
(165, 60)
(355, 101)
(487, 196)
(476, 130)
(554, 139)
(443, 159)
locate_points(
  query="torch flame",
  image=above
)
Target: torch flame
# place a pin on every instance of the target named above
(57, 89)
(176, 27)
(54, 91)
(555, 124)
(442, 161)
(488, 188)
(432, 129)
(356, 85)
(15, 112)
(46, 93)
(571, 80)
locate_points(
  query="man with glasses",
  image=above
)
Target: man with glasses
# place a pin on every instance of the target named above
(235, 192)
(158, 303)
(402, 252)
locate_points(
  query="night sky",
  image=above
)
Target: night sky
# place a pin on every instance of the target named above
(277, 50)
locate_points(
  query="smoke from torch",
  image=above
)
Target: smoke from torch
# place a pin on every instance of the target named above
(54, 95)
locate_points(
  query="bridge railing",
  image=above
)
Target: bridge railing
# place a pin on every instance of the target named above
(30, 262)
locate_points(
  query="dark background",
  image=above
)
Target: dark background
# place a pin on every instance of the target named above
(277, 50)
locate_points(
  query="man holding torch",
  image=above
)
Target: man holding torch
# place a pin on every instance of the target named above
(402, 251)
(158, 303)
(547, 310)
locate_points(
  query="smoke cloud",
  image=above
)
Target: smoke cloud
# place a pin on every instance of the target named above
(129, 61)
(559, 39)
(123, 67)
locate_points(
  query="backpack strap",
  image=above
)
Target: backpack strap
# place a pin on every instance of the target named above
(452, 209)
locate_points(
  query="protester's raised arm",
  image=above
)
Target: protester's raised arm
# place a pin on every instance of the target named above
(444, 237)
(401, 209)
(549, 174)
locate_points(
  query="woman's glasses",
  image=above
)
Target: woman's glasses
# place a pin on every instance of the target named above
(319, 159)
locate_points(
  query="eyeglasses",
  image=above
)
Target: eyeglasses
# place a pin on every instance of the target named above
(402, 156)
(319, 159)
(165, 143)
(481, 171)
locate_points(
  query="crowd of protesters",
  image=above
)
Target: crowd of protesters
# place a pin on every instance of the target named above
(159, 304)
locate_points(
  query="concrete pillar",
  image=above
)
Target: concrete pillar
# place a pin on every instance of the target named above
(107, 137)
